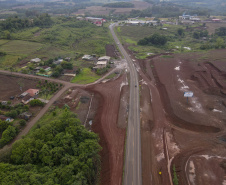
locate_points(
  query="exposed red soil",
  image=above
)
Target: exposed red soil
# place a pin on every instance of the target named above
(111, 51)
(112, 137)
(190, 135)
(10, 86)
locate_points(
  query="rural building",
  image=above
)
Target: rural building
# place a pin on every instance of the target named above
(46, 68)
(29, 95)
(32, 92)
(216, 20)
(101, 64)
(68, 72)
(87, 57)
(95, 20)
(27, 99)
(141, 22)
(37, 69)
(104, 58)
(25, 115)
(36, 60)
(4, 102)
(4, 118)
(80, 18)
(67, 59)
(58, 62)
(187, 22)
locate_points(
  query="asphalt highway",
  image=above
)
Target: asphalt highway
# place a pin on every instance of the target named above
(133, 170)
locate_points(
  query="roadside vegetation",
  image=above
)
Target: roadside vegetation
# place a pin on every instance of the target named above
(59, 150)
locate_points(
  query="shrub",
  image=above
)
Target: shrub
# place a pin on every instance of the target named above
(36, 102)
(22, 122)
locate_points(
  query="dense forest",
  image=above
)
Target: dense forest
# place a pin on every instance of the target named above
(16, 23)
(60, 151)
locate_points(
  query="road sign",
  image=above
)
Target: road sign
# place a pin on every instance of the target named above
(188, 94)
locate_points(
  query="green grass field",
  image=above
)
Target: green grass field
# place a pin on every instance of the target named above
(19, 47)
(85, 77)
(3, 42)
(8, 61)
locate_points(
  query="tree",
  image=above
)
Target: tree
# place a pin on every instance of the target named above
(8, 135)
(7, 34)
(180, 31)
(22, 122)
(220, 43)
(196, 35)
(221, 31)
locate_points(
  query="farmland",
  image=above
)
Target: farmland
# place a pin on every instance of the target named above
(66, 38)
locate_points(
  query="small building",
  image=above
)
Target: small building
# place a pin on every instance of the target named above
(216, 20)
(32, 92)
(46, 68)
(25, 115)
(87, 57)
(58, 62)
(37, 69)
(68, 72)
(27, 99)
(101, 64)
(4, 102)
(98, 23)
(36, 60)
(104, 58)
(4, 118)
(67, 59)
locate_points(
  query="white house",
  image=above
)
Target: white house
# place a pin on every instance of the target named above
(36, 60)
(101, 64)
(104, 58)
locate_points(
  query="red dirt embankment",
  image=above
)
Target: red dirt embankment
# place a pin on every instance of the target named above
(112, 137)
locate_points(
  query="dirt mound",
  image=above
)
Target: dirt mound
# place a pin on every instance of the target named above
(112, 137)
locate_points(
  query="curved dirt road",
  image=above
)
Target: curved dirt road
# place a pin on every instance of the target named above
(66, 85)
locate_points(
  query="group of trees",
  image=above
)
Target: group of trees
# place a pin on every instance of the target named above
(16, 23)
(156, 39)
(58, 152)
(14, 111)
(7, 135)
(200, 34)
(7, 131)
(221, 31)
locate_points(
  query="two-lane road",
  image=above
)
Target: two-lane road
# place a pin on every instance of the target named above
(133, 171)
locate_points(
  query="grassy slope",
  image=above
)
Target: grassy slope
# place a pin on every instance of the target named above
(64, 38)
